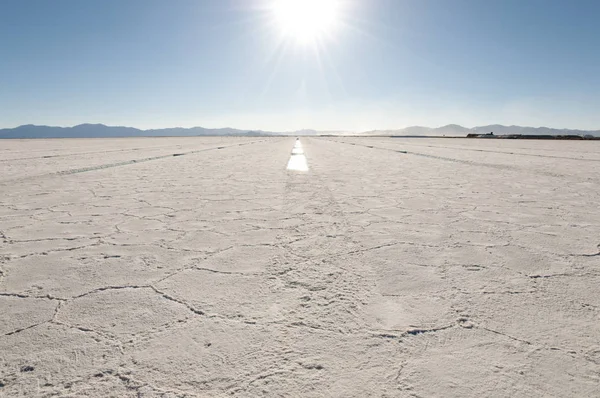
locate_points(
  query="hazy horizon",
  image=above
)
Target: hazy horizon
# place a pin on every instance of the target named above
(300, 129)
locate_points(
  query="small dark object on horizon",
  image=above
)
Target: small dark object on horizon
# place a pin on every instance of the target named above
(534, 137)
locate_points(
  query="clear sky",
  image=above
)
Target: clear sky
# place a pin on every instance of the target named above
(372, 64)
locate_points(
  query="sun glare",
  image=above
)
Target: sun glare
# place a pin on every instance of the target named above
(306, 20)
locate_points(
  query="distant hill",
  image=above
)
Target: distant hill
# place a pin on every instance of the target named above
(452, 129)
(498, 129)
(101, 130)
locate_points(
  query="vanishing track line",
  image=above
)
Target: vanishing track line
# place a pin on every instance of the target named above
(123, 163)
(455, 160)
(503, 152)
(90, 153)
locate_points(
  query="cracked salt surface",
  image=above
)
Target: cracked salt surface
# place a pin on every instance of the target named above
(297, 160)
(454, 268)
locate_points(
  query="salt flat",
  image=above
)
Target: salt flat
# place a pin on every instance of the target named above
(392, 267)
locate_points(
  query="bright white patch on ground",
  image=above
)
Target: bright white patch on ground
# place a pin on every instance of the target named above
(297, 160)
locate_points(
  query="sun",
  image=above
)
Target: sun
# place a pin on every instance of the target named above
(306, 20)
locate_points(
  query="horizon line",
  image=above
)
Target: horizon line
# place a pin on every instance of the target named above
(299, 130)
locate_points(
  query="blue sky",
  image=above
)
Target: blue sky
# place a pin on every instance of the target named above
(217, 63)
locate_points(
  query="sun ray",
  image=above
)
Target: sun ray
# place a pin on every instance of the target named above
(330, 64)
(278, 54)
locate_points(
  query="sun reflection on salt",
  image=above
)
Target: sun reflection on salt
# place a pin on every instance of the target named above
(297, 161)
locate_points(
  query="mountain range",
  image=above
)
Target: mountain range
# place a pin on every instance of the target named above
(101, 130)
(497, 129)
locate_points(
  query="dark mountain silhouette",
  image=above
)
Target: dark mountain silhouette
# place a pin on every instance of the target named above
(101, 130)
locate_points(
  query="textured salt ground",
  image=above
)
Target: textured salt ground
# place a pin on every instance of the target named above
(68, 155)
(453, 268)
